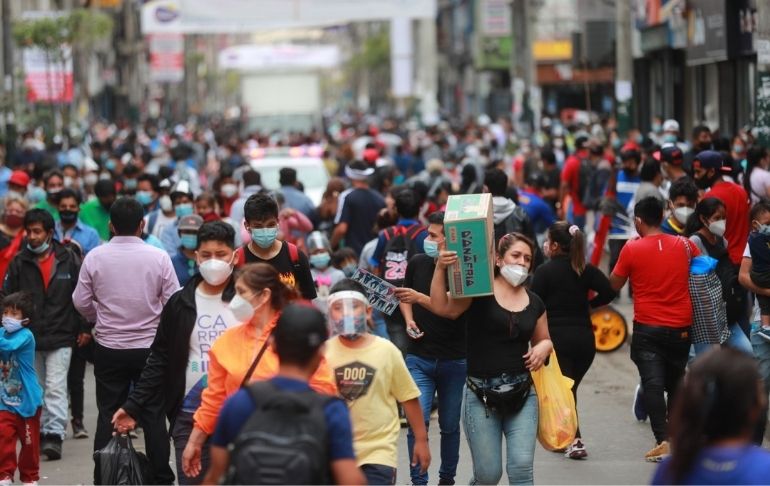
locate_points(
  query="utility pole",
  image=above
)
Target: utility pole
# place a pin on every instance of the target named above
(762, 43)
(427, 68)
(624, 67)
(9, 115)
(523, 79)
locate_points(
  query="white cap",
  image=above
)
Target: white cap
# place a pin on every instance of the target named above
(671, 126)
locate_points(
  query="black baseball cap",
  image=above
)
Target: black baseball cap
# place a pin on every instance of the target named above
(299, 332)
(672, 155)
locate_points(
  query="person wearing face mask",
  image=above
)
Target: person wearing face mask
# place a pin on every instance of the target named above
(706, 229)
(759, 247)
(185, 261)
(22, 399)
(507, 337)
(261, 221)
(69, 227)
(182, 199)
(11, 231)
(358, 357)
(662, 312)
(17, 185)
(564, 283)
(96, 212)
(757, 178)
(345, 260)
(682, 198)
(627, 184)
(49, 272)
(53, 182)
(227, 189)
(191, 321)
(156, 220)
(708, 175)
(435, 353)
(242, 354)
(324, 274)
(701, 141)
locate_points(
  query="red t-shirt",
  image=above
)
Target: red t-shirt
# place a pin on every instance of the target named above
(659, 270)
(737, 207)
(46, 267)
(571, 175)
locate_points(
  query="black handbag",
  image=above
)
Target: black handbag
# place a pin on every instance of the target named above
(505, 399)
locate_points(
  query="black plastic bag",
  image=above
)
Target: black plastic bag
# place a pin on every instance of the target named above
(120, 463)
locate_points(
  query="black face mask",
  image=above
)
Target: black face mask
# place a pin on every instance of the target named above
(68, 217)
(630, 172)
(705, 182)
(106, 206)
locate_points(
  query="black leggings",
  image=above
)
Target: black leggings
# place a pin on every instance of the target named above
(575, 348)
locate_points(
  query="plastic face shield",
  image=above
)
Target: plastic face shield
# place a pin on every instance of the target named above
(347, 314)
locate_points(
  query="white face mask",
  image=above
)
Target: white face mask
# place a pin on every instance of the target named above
(91, 178)
(165, 204)
(514, 274)
(241, 308)
(681, 214)
(215, 272)
(229, 190)
(718, 227)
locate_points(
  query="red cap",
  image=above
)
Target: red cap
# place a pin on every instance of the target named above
(371, 155)
(19, 178)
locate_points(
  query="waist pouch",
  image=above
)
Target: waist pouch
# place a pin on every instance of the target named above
(506, 398)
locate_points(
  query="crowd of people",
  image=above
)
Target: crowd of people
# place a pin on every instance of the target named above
(213, 307)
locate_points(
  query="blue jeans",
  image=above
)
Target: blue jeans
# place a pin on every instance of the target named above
(447, 377)
(737, 340)
(579, 221)
(379, 474)
(485, 436)
(380, 327)
(762, 353)
(52, 368)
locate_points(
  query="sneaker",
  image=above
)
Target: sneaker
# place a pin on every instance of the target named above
(764, 333)
(658, 453)
(78, 429)
(6, 482)
(446, 482)
(52, 447)
(576, 451)
(638, 409)
(33, 483)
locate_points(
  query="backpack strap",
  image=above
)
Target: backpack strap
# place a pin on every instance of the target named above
(414, 231)
(240, 255)
(293, 252)
(254, 363)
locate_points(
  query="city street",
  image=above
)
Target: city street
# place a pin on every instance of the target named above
(616, 443)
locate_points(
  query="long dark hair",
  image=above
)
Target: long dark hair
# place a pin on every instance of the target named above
(753, 157)
(705, 209)
(571, 243)
(718, 399)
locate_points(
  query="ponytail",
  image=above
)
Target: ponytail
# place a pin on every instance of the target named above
(572, 242)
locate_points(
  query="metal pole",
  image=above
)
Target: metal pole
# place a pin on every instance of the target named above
(8, 80)
(624, 67)
(523, 70)
(762, 42)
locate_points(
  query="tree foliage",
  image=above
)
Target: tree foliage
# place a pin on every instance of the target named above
(80, 28)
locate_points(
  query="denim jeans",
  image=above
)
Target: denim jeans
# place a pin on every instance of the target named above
(447, 377)
(183, 426)
(380, 328)
(762, 353)
(379, 474)
(52, 368)
(737, 340)
(485, 436)
(660, 355)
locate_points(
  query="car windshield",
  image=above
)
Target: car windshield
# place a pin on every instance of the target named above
(311, 177)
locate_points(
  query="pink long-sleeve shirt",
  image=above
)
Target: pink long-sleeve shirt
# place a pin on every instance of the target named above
(123, 287)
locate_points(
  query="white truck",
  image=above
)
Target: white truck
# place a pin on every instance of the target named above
(283, 101)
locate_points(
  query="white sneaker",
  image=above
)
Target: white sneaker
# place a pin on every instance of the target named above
(6, 481)
(33, 483)
(577, 450)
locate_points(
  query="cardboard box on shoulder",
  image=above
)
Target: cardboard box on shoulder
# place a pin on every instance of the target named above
(470, 232)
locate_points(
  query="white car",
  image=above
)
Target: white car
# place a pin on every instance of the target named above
(311, 172)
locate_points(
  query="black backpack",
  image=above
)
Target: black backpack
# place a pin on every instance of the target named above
(585, 176)
(400, 246)
(284, 441)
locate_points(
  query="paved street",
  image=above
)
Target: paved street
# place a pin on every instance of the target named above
(616, 442)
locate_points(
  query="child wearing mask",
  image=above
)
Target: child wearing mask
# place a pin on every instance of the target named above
(21, 397)
(759, 245)
(324, 274)
(373, 379)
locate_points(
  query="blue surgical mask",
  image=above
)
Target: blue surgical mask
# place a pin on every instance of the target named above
(130, 184)
(764, 229)
(639, 138)
(669, 138)
(183, 210)
(657, 127)
(350, 269)
(431, 248)
(144, 197)
(264, 237)
(12, 325)
(320, 260)
(40, 249)
(738, 149)
(189, 242)
(110, 165)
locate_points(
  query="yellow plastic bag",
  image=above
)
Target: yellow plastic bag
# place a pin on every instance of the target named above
(558, 418)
